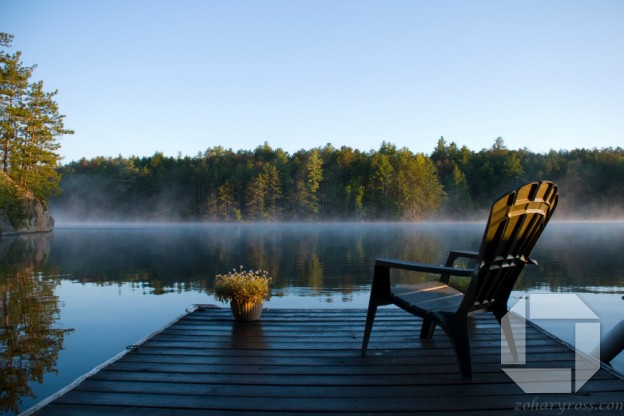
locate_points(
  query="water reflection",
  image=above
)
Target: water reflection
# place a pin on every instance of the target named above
(30, 340)
(248, 336)
(578, 257)
(337, 257)
(330, 262)
(320, 257)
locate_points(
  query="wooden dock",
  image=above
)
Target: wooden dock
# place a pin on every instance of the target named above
(308, 362)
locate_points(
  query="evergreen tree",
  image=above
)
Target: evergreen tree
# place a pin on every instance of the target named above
(307, 184)
(226, 204)
(381, 184)
(448, 159)
(256, 195)
(273, 192)
(35, 164)
(30, 123)
(14, 78)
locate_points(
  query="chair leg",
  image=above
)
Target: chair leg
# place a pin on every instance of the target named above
(457, 331)
(427, 329)
(370, 318)
(380, 294)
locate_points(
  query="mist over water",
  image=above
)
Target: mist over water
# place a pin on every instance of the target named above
(571, 255)
(100, 213)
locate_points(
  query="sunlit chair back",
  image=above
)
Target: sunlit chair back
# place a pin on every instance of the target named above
(515, 223)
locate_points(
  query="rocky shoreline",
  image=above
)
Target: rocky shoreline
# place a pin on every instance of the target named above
(37, 218)
(39, 221)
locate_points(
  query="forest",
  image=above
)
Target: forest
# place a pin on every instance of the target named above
(331, 184)
(269, 185)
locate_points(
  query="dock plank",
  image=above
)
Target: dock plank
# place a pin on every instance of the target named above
(308, 361)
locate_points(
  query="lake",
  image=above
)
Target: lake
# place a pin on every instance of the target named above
(75, 298)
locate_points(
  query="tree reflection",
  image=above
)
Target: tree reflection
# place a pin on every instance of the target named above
(323, 257)
(161, 259)
(29, 341)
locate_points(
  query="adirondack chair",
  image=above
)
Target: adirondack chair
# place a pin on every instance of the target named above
(516, 221)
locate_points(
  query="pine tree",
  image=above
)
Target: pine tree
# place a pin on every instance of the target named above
(14, 78)
(255, 198)
(273, 191)
(383, 177)
(30, 124)
(38, 158)
(226, 204)
(314, 176)
(309, 174)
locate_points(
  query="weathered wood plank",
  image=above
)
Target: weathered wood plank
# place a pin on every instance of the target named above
(317, 391)
(296, 405)
(334, 380)
(88, 410)
(306, 361)
(384, 361)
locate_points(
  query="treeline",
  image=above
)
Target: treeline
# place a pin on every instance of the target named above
(327, 183)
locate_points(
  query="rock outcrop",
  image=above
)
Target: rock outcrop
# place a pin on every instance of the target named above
(5, 224)
(34, 213)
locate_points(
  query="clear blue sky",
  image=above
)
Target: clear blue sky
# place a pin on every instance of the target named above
(136, 77)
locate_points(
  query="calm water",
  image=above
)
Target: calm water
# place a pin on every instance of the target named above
(79, 296)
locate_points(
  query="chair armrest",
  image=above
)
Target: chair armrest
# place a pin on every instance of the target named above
(422, 267)
(450, 261)
(381, 293)
(456, 254)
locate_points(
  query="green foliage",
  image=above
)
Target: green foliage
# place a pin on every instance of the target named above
(334, 184)
(242, 286)
(30, 124)
(309, 177)
(264, 185)
(11, 202)
(30, 337)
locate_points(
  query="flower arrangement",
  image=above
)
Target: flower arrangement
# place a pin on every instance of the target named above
(242, 287)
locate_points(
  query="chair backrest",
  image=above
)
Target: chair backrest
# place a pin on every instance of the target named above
(516, 221)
